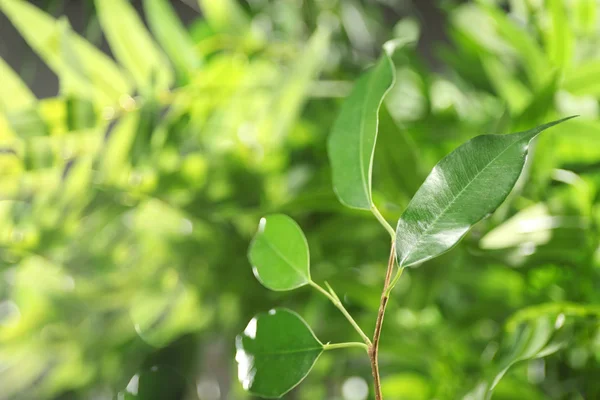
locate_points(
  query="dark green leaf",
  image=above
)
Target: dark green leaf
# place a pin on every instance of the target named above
(275, 353)
(279, 254)
(352, 141)
(463, 188)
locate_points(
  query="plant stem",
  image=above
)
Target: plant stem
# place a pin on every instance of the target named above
(382, 221)
(333, 346)
(336, 302)
(395, 280)
(374, 348)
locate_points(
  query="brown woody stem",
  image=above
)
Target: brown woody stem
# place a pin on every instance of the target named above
(374, 348)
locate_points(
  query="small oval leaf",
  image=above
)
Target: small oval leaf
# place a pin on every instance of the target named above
(352, 141)
(279, 254)
(463, 188)
(275, 353)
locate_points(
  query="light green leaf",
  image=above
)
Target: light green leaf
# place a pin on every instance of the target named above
(279, 254)
(103, 78)
(275, 353)
(132, 45)
(583, 79)
(352, 141)
(523, 43)
(559, 38)
(288, 101)
(463, 188)
(15, 94)
(172, 36)
(225, 16)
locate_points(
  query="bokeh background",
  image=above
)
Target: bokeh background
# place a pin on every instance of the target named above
(141, 142)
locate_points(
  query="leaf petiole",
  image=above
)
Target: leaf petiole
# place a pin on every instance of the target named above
(333, 346)
(337, 302)
(383, 222)
(394, 281)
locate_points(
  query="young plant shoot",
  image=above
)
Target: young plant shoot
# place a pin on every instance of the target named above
(278, 349)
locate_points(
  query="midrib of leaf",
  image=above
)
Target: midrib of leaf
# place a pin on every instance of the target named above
(284, 258)
(361, 136)
(366, 185)
(445, 210)
(295, 351)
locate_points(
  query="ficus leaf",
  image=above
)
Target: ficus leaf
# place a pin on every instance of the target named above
(275, 353)
(463, 188)
(279, 253)
(352, 141)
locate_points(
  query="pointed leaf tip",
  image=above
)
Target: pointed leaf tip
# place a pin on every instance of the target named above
(463, 188)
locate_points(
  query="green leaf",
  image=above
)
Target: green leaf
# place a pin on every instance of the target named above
(15, 94)
(559, 37)
(275, 353)
(279, 253)
(132, 45)
(291, 96)
(463, 188)
(352, 141)
(103, 79)
(172, 36)
(225, 16)
(583, 79)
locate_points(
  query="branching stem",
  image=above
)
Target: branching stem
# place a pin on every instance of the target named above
(374, 348)
(337, 302)
(383, 222)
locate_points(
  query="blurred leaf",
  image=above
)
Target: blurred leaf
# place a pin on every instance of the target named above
(531, 225)
(406, 386)
(534, 61)
(173, 37)
(15, 94)
(275, 353)
(133, 46)
(103, 79)
(508, 88)
(450, 200)
(578, 145)
(559, 38)
(582, 80)
(586, 13)
(289, 99)
(279, 254)
(225, 16)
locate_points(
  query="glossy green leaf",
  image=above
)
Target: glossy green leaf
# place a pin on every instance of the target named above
(279, 253)
(463, 188)
(275, 353)
(132, 45)
(172, 36)
(352, 141)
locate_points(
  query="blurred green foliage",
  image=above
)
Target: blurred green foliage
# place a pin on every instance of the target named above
(128, 200)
